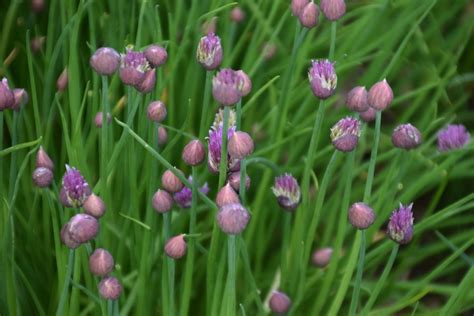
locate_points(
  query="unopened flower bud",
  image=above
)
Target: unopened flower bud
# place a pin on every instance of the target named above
(268, 50)
(369, 115)
(322, 78)
(309, 16)
(37, 6)
(7, 97)
(406, 136)
(227, 87)
(345, 134)
(246, 83)
(66, 238)
(209, 51)
(233, 218)
(333, 9)
(287, 192)
(162, 201)
(400, 226)
(61, 83)
(194, 153)
(99, 118)
(357, 99)
(83, 228)
(101, 262)
(133, 67)
(321, 257)
(226, 195)
(170, 182)
(94, 206)
(361, 216)
(279, 302)
(162, 136)
(105, 61)
(234, 180)
(21, 98)
(237, 15)
(297, 6)
(63, 198)
(43, 160)
(380, 95)
(175, 247)
(42, 177)
(453, 137)
(156, 55)
(148, 83)
(37, 44)
(240, 145)
(110, 288)
(156, 111)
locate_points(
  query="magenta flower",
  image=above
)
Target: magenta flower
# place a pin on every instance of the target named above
(287, 191)
(209, 51)
(75, 187)
(453, 137)
(133, 67)
(323, 78)
(400, 227)
(184, 197)
(214, 148)
(345, 134)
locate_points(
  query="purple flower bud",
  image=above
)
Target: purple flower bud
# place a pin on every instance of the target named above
(406, 136)
(101, 262)
(240, 145)
(170, 182)
(322, 78)
(233, 218)
(380, 95)
(83, 228)
(94, 206)
(226, 195)
(345, 134)
(175, 247)
(75, 187)
(43, 160)
(214, 148)
(279, 302)
(453, 137)
(209, 51)
(237, 15)
(105, 61)
(357, 99)
(156, 55)
(227, 87)
(133, 67)
(400, 226)
(246, 83)
(297, 6)
(37, 44)
(66, 238)
(194, 153)
(156, 111)
(369, 115)
(63, 198)
(148, 83)
(42, 177)
(333, 9)
(162, 201)
(268, 50)
(21, 99)
(7, 98)
(162, 136)
(234, 180)
(309, 16)
(37, 6)
(321, 257)
(287, 192)
(63, 79)
(98, 119)
(110, 288)
(185, 196)
(361, 216)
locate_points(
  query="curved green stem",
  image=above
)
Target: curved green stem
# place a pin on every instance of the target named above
(67, 281)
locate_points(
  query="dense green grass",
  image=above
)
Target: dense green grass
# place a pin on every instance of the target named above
(423, 48)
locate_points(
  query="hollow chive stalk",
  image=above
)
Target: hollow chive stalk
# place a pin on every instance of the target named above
(232, 263)
(104, 157)
(67, 281)
(205, 104)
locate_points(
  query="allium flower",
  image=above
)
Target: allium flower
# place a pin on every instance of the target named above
(7, 98)
(43, 160)
(333, 9)
(175, 247)
(321, 257)
(110, 288)
(400, 226)
(226, 195)
(233, 218)
(227, 87)
(380, 95)
(148, 83)
(170, 182)
(21, 99)
(309, 16)
(83, 228)
(323, 78)
(214, 148)
(357, 99)
(361, 216)
(369, 115)
(246, 83)
(406, 136)
(453, 137)
(194, 153)
(345, 134)
(133, 67)
(240, 145)
(162, 201)
(105, 61)
(101, 262)
(279, 302)
(237, 15)
(297, 6)
(42, 177)
(156, 55)
(287, 191)
(209, 51)
(185, 196)
(76, 188)
(94, 206)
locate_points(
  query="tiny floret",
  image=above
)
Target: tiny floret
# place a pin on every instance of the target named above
(406, 136)
(400, 226)
(322, 77)
(453, 137)
(287, 192)
(209, 51)
(345, 134)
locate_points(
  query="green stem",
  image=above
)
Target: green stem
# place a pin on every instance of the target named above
(104, 131)
(1, 160)
(110, 307)
(205, 104)
(169, 262)
(231, 276)
(358, 280)
(67, 280)
(381, 282)
(243, 182)
(238, 119)
(223, 162)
